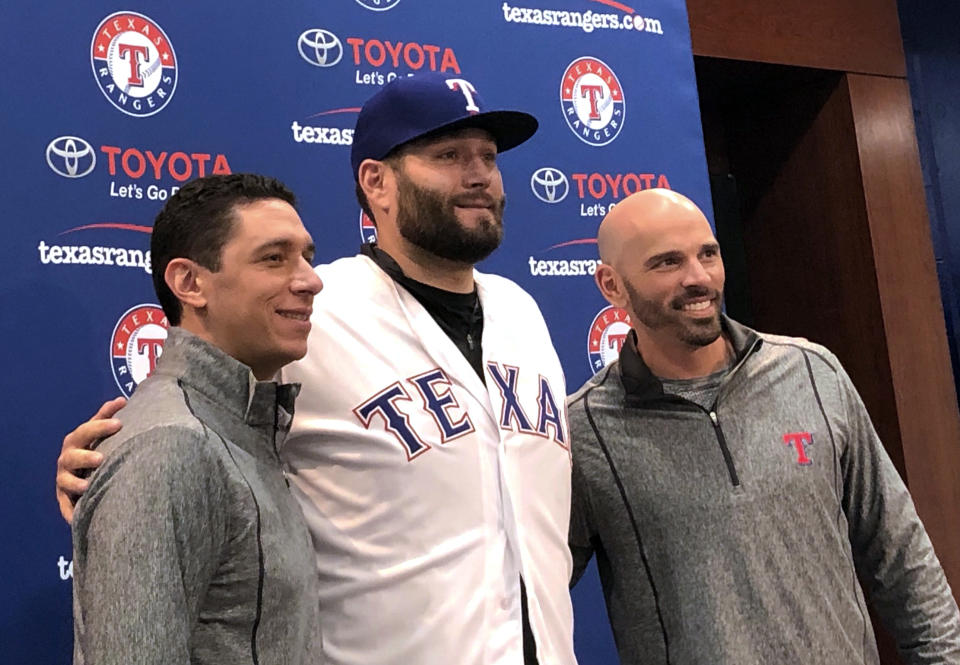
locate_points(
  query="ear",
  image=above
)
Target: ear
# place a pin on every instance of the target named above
(377, 182)
(610, 285)
(185, 280)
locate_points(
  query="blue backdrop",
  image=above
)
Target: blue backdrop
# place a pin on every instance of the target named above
(109, 108)
(933, 54)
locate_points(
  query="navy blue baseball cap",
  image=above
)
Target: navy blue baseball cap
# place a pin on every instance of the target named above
(412, 107)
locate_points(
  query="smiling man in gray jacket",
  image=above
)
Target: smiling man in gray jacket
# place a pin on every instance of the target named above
(730, 482)
(188, 545)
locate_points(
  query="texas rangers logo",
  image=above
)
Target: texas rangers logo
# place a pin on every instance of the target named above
(800, 442)
(136, 344)
(133, 63)
(466, 88)
(608, 332)
(368, 230)
(592, 101)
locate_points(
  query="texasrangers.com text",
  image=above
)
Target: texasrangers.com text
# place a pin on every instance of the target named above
(562, 267)
(66, 568)
(94, 256)
(587, 21)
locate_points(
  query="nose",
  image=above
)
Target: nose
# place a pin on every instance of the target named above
(306, 280)
(696, 274)
(478, 172)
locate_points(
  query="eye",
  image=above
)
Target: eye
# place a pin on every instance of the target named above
(275, 257)
(448, 155)
(665, 263)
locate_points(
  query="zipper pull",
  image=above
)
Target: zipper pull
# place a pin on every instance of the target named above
(714, 419)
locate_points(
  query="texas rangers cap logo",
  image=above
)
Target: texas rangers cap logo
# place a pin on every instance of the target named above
(608, 333)
(592, 101)
(136, 344)
(133, 63)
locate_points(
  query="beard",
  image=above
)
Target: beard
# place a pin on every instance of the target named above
(693, 331)
(429, 220)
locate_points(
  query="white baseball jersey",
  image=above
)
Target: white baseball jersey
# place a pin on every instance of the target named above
(428, 494)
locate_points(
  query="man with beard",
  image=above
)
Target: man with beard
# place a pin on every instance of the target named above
(731, 483)
(429, 451)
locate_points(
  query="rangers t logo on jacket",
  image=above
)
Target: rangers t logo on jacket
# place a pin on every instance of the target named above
(799, 441)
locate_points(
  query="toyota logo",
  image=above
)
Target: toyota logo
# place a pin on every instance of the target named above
(549, 184)
(71, 156)
(319, 47)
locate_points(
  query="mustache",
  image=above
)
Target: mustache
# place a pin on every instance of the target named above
(692, 293)
(479, 199)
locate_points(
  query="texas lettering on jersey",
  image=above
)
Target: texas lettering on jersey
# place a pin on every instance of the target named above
(390, 408)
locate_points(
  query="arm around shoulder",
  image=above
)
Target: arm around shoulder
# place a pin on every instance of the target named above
(75, 455)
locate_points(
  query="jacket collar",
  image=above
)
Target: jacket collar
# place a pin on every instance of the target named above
(384, 261)
(224, 379)
(640, 384)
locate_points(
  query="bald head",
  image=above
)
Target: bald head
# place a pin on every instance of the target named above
(644, 220)
(661, 262)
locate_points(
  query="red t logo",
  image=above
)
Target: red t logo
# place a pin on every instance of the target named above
(800, 441)
(616, 341)
(130, 52)
(594, 92)
(153, 347)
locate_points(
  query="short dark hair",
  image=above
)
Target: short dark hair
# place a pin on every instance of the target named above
(197, 221)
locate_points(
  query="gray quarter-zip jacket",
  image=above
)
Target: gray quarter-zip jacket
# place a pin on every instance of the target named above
(188, 545)
(734, 535)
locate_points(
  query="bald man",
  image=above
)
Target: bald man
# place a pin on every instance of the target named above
(730, 482)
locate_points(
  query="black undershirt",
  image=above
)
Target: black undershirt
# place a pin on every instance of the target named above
(460, 316)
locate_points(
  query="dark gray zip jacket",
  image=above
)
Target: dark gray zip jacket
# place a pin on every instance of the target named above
(735, 535)
(188, 545)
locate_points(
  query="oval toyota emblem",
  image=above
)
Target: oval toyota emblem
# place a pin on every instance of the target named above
(319, 47)
(71, 156)
(549, 185)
